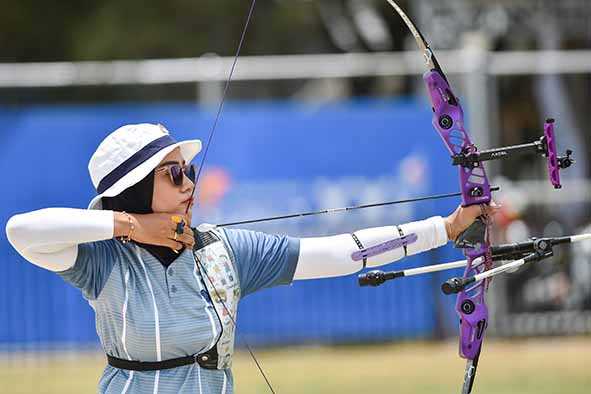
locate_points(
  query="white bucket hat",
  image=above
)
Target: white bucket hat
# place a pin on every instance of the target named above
(128, 154)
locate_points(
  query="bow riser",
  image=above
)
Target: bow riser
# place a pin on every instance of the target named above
(448, 120)
(471, 305)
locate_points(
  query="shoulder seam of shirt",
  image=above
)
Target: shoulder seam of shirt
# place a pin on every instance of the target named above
(117, 246)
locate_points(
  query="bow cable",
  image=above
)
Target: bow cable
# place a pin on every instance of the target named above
(342, 209)
(222, 101)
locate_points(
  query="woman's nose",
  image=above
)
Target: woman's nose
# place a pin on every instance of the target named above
(187, 183)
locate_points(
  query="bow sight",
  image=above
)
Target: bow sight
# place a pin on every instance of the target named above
(546, 146)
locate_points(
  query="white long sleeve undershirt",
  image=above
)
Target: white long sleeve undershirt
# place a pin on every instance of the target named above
(325, 257)
(49, 237)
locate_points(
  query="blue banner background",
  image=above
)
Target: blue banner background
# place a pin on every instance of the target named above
(274, 158)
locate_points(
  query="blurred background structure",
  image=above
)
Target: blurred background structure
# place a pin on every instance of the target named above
(327, 109)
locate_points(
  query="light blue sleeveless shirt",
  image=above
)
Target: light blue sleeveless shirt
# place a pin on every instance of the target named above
(145, 311)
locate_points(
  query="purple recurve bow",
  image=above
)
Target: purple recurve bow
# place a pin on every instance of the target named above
(448, 120)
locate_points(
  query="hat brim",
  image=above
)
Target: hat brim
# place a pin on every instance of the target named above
(189, 149)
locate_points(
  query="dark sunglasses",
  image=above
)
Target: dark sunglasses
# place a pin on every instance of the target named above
(176, 171)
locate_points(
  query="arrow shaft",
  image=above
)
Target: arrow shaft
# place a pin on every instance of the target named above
(346, 209)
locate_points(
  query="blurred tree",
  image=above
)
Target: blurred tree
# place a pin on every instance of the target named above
(132, 29)
(36, 30)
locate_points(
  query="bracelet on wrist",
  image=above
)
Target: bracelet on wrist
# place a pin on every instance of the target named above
(126, 238)
(449, 231)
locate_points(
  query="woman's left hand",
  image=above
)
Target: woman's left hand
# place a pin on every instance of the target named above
(463, 217)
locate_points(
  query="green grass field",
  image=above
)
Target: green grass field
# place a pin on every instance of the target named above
(538, 366)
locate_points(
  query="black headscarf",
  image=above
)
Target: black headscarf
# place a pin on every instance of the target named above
(138, 199)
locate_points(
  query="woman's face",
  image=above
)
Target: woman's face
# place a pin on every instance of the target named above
(168, 197)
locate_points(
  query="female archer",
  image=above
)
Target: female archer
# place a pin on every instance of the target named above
(165, 295)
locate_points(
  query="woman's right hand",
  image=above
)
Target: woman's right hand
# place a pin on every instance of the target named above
(154, 229)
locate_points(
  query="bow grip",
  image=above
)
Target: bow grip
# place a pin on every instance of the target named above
(473, 236)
